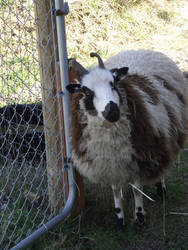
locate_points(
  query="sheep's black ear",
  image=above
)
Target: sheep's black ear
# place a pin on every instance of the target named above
(73, 88)
(119, 74)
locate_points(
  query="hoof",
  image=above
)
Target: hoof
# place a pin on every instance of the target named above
(119, 224)
(161, 191)
(140, 219)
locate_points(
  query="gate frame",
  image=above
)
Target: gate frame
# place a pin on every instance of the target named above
(60, 11)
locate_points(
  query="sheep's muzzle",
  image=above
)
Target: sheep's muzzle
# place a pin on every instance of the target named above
(111, 112)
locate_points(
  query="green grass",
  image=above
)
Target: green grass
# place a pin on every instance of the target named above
(20, 216)
(94, 229)
(26, 223)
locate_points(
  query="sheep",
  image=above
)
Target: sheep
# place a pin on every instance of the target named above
(128, 122)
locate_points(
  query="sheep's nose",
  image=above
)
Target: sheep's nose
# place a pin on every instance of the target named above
(111, 112)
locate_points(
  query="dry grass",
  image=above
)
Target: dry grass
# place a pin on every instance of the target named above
(112, 26)
(103, 26)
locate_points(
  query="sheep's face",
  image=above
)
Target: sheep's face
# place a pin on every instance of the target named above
(100, 95)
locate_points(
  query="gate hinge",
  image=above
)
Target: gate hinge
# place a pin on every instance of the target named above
(63, 11)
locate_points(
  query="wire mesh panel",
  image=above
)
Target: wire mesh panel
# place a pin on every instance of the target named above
(31, 186)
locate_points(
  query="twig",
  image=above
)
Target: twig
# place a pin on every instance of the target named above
(175, 213)
(141, 192)
(164, 213)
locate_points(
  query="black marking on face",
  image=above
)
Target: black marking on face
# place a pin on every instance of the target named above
(88, 101)
(73, 88)
(117, 210)
(114, 88)
(87, 91)
(112, 85)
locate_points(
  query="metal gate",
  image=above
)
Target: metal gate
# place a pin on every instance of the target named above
(35, 172)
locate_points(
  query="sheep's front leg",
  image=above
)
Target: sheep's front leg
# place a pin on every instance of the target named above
(117, 193)
(139, 208)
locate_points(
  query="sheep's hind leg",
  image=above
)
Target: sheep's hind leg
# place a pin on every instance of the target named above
(117, 193)
(139, 208)
(161, 188)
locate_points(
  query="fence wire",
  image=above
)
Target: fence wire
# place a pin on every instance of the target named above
(30, 191)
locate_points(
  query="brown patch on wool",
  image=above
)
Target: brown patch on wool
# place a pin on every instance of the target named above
(145, 85)
(152, 150)
(76, 127)
(171, 89)
(178, 137)
(181, 135)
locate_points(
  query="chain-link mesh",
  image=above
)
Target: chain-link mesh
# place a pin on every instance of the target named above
(30, 163)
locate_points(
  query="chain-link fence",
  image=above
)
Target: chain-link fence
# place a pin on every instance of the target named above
(32, 184)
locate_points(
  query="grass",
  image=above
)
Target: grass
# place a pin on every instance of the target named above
(94, 229)
(106, 27)
(19, 215)
(19, 71)
(101, 26)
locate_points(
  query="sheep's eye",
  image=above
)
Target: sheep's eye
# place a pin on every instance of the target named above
(112, 85)
(87, 91)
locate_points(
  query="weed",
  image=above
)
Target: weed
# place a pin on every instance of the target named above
(165, 15)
